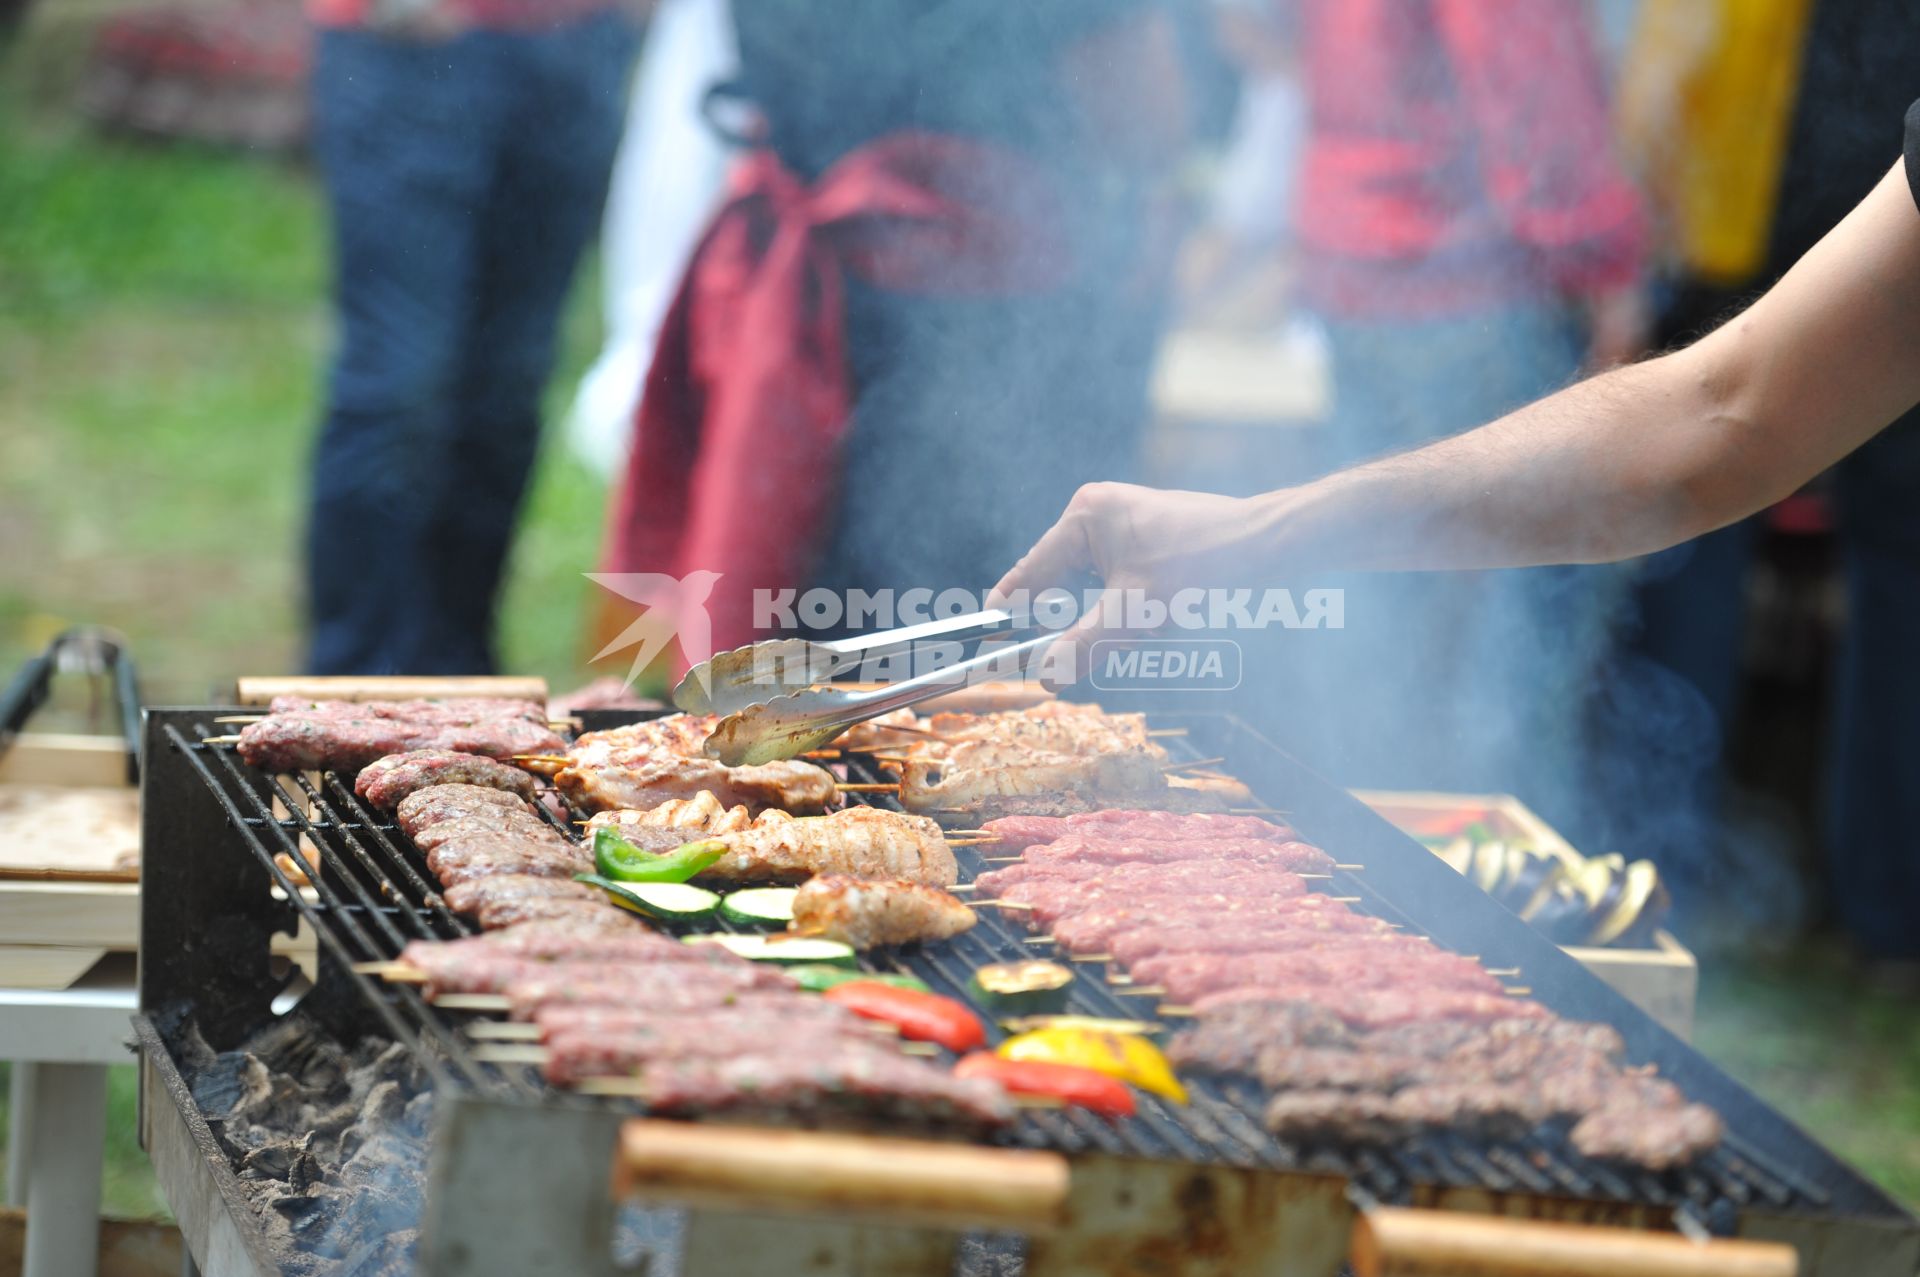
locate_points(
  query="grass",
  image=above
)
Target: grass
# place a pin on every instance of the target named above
(162, 335)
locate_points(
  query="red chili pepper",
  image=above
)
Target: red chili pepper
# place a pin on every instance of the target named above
(1083, 1088)
(920, 1017)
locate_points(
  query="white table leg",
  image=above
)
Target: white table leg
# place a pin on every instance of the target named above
(67, 1127)
(20, 1099)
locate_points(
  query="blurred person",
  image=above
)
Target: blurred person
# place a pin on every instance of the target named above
(1469, 241)
(1623, 464)
(667, 177)
(1770, 128)
(464, 146)
(926, 312)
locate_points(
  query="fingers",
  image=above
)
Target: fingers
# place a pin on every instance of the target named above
(1064, 550)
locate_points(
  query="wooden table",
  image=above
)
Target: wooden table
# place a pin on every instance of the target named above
(60, 1042)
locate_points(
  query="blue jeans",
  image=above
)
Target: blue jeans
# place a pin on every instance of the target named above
(1463, 681)
(465, 179)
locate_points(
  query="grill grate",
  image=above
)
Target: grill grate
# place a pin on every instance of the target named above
(373, 894)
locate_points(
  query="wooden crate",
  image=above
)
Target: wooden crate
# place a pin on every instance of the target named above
(1662, 981)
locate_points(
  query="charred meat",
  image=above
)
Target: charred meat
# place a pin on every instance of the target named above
(348, 735)
(385, 781)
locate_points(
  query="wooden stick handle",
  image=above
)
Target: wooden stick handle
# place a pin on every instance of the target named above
(259, 690)
(1396, 1242)
(787, 1172)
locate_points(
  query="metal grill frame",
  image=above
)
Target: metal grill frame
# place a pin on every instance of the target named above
(207, 918)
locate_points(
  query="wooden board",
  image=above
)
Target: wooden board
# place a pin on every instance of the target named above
(70, 829)
(128, 1247)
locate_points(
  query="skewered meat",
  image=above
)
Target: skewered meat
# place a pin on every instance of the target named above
(1045, 784)
(615, 1020)
(1379, 1008)
(1093, 873)
(1188, 979)
(489, 820)
(511, 913)
(609, 924)
(1093, 930)
(1016, 833)
(680, 965)
(1059, 726)
(385, 781)
(1048, 903)
(1343, 1117)
(575, 1056)
(1654, 1139)
(428, 807)
(481, 855)
(346, 736)
(863, 842)
(854, 1079)
(1095, 848)
(1311, 914)
(722, 995)
(1282, 944)
(648, 763)
(1231, 1039)
(866, 913)
(471, 897)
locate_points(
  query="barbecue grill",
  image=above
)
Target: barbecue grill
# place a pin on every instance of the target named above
(523, 1179)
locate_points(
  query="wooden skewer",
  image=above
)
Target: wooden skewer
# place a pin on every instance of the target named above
(241, 718)
(970, 833)
(558, 759)
(821, 753)
(1036, 940)
(1002, 860)
(1002, 904)
(473, 1002)
(1508, 972)
(1345, 900)
(1116, 979)
(1256, 811)
(961, 887)
(1167, 1008)
(1520, 991)
(510, 1053)
(1352, 869)
(1141, 991)
(1166, 731)
(1090, 957)
(219, 740)
(1315, 877)
(1198, 762)
(504, 1031)
(393, 972)
(970, 842)
(864, 787)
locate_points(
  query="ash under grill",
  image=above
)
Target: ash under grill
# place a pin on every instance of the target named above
(374, 894)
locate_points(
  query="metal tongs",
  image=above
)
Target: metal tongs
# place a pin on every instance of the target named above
(779, 699)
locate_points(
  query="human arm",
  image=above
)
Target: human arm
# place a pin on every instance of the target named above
(1622, 464)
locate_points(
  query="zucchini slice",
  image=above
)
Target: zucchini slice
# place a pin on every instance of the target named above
(760, 906)
(818, 979)
(668, 901)
(1033, 987)
(797, 950)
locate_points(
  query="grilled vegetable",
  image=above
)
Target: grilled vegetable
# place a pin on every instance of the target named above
(1643, 901)
(1126, 1056)
(760, 907)
(1089, 1089)
(616, 858)
(671, 901)
(1021, 988)
(800, 950)
(920, 1017)
(818, 979)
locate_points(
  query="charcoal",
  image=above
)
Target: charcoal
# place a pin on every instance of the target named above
(230, 1081)
(272, 1160)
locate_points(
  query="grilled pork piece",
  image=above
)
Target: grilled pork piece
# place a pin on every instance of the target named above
(506, 973)
(1016, 833)
(852, 1080)
(1093, 873)
(1283, 944)
(347, 736)
(471, 897)
(512, 913)
(385, 781)
(1091, 930)
(867, 913)
(481, 855)
(863, 842)
(646, 764)
(724, 994)
(1048, 903)
(1656, 1140)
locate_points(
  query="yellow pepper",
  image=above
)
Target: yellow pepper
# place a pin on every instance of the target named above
(1129, 1057)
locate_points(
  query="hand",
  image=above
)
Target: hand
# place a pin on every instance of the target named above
(1619, 327)
(1142, 539)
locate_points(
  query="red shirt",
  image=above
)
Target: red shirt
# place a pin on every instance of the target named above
(497, 14)
(1458, 155)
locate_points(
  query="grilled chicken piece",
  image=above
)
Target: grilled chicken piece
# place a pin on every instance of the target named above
(385, 781)
(863, 842)
(646, 764)
(867, 914)
(1055, 727)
